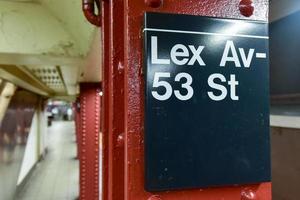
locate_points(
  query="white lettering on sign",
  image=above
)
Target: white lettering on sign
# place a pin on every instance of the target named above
(261, 55)
(159, 83)
(246, 60)
(189, 55)
(216, 86)
(186, 85)
(154, 53)
(180, 54)
(230, 49)
(196, 55)
(232, 83)
(168, 88)
(179, 51)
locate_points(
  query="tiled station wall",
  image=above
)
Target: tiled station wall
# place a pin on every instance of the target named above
(15, 130)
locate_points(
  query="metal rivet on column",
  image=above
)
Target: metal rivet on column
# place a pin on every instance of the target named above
(120, 140)
(154, 3)
(155, 197)
(246, 8)
(248, 194)
(120, 67)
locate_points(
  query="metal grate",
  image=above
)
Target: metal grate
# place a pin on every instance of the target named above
(51, 76)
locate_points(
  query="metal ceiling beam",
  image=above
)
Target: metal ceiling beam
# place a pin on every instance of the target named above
(24, 79)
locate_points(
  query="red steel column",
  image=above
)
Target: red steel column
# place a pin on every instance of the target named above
(105, 103)
(89, 140)
(116, 101)
(113, 100)
(113, 95)
(134, 96)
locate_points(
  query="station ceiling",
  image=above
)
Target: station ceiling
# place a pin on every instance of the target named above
(47, 46)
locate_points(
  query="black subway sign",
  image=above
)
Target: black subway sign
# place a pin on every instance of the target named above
(207, 102)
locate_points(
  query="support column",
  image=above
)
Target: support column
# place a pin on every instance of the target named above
(123, 100)
(113, 95)
(116, 101)
(134, 92)
(105, 99)
(89, 140)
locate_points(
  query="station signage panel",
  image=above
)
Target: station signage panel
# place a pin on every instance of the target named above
(206, 102)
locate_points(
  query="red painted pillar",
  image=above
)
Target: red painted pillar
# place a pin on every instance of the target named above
(123, 100)
(113, 99)
(134, 96)
(89, 140)
(105, 98)
(116, 101)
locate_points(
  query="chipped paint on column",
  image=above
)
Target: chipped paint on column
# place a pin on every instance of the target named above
(134, 96)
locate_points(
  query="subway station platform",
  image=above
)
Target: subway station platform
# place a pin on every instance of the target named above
(149, 100)
(56, 177)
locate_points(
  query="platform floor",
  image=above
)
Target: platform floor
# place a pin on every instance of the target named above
(56, 177)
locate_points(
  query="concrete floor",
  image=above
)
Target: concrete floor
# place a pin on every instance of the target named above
(56, 177)
(9, 168)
